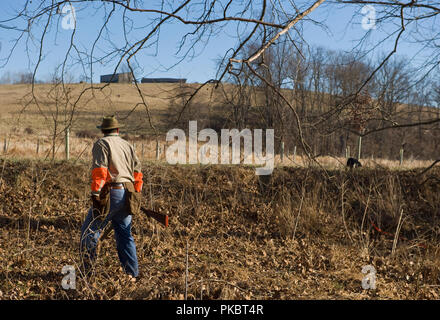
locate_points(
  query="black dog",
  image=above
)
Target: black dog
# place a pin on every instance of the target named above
(353, 163)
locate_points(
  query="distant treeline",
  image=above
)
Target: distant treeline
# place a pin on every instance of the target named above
(305, 95)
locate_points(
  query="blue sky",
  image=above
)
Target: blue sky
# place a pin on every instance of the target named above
(343, 29)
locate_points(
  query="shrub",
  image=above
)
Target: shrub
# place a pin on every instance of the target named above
(86, 134)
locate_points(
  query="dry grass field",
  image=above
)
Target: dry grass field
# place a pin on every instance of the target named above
(297, 235)
(25, 130)
(301, 233)
(25, 124)
(19, 112)
(24, 146)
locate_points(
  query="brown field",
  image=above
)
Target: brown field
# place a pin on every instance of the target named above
(17, 111)
(297, 235)
(24, 124)
(21, 145)
(302, 233)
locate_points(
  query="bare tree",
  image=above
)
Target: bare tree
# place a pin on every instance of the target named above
(269, 51)
(201, 19)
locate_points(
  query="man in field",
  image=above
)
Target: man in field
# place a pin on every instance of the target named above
(116, 178)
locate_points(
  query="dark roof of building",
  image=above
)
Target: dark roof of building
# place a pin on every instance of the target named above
(144, 80)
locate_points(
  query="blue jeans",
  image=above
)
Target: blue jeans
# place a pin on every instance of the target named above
(121, 222)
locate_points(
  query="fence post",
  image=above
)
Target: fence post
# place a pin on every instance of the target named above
(359, 147)
(294, 153)
(142, 153)
(401, 156)
(38, 145)
(282, 151)
(347, 152)
(67, 143)
(157, 150)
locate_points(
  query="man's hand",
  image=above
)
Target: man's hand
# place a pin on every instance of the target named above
(96, 202)
(101, 200)
(94, 197)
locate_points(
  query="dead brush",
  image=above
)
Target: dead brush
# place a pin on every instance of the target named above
(240, 237)
(390, 213)
(285, 218)
(301, 210)
(87, 134)
(385, 224)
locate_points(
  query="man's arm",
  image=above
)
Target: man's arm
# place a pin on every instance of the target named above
(100, 174)
(137, 174)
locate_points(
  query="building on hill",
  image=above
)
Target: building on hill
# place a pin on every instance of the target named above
(125, 77)
(163, 80)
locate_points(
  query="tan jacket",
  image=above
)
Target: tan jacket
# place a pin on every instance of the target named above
(114, 160)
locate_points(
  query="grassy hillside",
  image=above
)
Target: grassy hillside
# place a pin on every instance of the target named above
(119, 99)
(22, 121)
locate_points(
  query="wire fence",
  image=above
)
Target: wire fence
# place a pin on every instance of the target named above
(79, 149)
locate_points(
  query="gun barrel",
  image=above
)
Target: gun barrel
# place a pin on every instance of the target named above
(159, 217)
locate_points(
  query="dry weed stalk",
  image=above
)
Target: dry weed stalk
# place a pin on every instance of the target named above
(396, 235)
(343, 209)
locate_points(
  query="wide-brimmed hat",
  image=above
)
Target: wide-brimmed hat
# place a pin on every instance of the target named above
(109, 123)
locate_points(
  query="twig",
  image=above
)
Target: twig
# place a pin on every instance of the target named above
(186, 272)
(299, 211)
(279, 34)
(3, 170)
(366, 209)
(432, 165)
(396, 235)
(343, 213)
